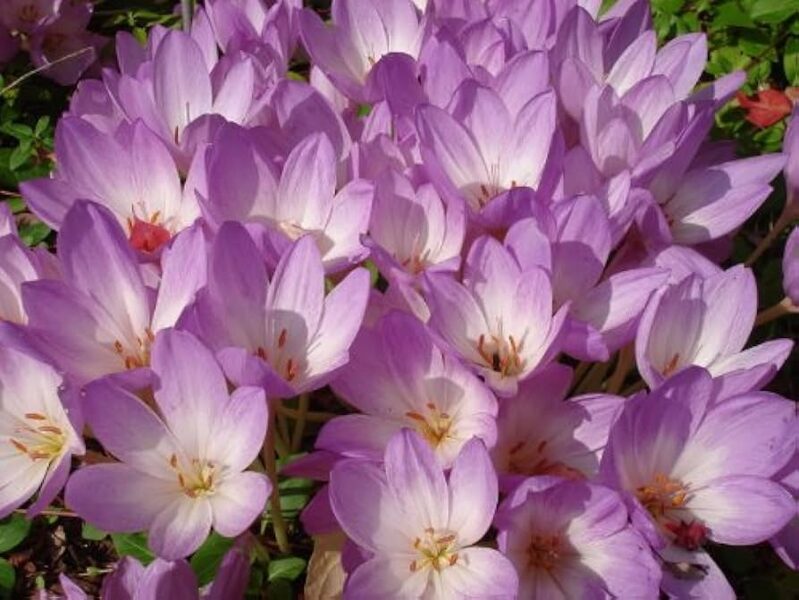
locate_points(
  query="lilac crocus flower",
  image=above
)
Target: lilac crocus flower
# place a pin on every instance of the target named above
(695, 466)
(399, 378)
(130, 172)
(283, 333)
(363, 31)
(419, 526)
(18, 264)
(540, 433)
(572, 539)
(38, 433)
(706, 322)
(786, 542)
(790, 267)
(175, 579)
(498, 149)
(499, 320)
(100, 318)
(182, 469)
(243, 185)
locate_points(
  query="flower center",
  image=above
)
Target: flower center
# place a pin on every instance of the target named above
(671, 366)
(39, 438)
(286, 366)
(544, 552)
(662, 495)
(434, 426)
(531, 459)
(500, 354)
(149, 235)
(138, 355)
(196, 480)
(436, 550)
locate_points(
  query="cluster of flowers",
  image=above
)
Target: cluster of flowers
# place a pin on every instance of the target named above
(53, 32)
(533, 183)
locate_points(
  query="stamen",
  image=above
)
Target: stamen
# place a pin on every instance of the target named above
(281, 340)
(19, 446)
(35, 416)
(671, 366)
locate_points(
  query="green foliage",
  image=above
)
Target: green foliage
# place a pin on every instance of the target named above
(7, 578)
(206, 560)
(133, 544)
(13, 530)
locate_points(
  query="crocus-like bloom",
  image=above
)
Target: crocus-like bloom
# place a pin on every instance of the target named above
(420, 526)
(175, 579)
(38, 434)
(497, 149)
(399, 378)
(572, 539)
(183, 468)
(790, 146)
(540, 433)
(790, 267)
(363, 31)
(282, 334)
(101, 319)
(713, 200)
(499, 320)
(243, 185)
(131, 173)
(706, 322)
(695, 466)
(786, 542)
(17, 265)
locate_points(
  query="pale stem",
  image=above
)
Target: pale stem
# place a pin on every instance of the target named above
(299, 425)
(275, 512)
(635, 387)
(785, 218)
(782, 308)
(51, 512)
(310, 416)
(593, 380)
(185, 14)
(623, 366)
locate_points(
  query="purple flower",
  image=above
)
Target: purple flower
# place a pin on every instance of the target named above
(182, 469)
(243, 185)
(786, 542)
(38, 434)
(706, 322)
(18, 264)
(100, 319)
(540, 433)
(790, 146)
(175, 579)
(363, 31)
(399, 378)
(572, 539)
(696, 466)
(499, 147)
(283, 333)
(131, 173)
(419, 526)
(499, 320)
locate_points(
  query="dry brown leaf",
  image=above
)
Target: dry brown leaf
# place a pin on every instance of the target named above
(326, 576)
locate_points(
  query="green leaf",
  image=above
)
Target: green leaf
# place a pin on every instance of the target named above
(790, 61)
(7, 577)
(286, 568)
(89, 532)
(20, 155)
(730, 14)
(773, 11)
(280, 589)
(34, 233)
(12, 531)
(18, 130)
(133, 544)
(669, 7)
(205, 561)
(41, 126)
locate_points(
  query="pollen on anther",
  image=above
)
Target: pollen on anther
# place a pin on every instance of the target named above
(281, 340)
(35, 416)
